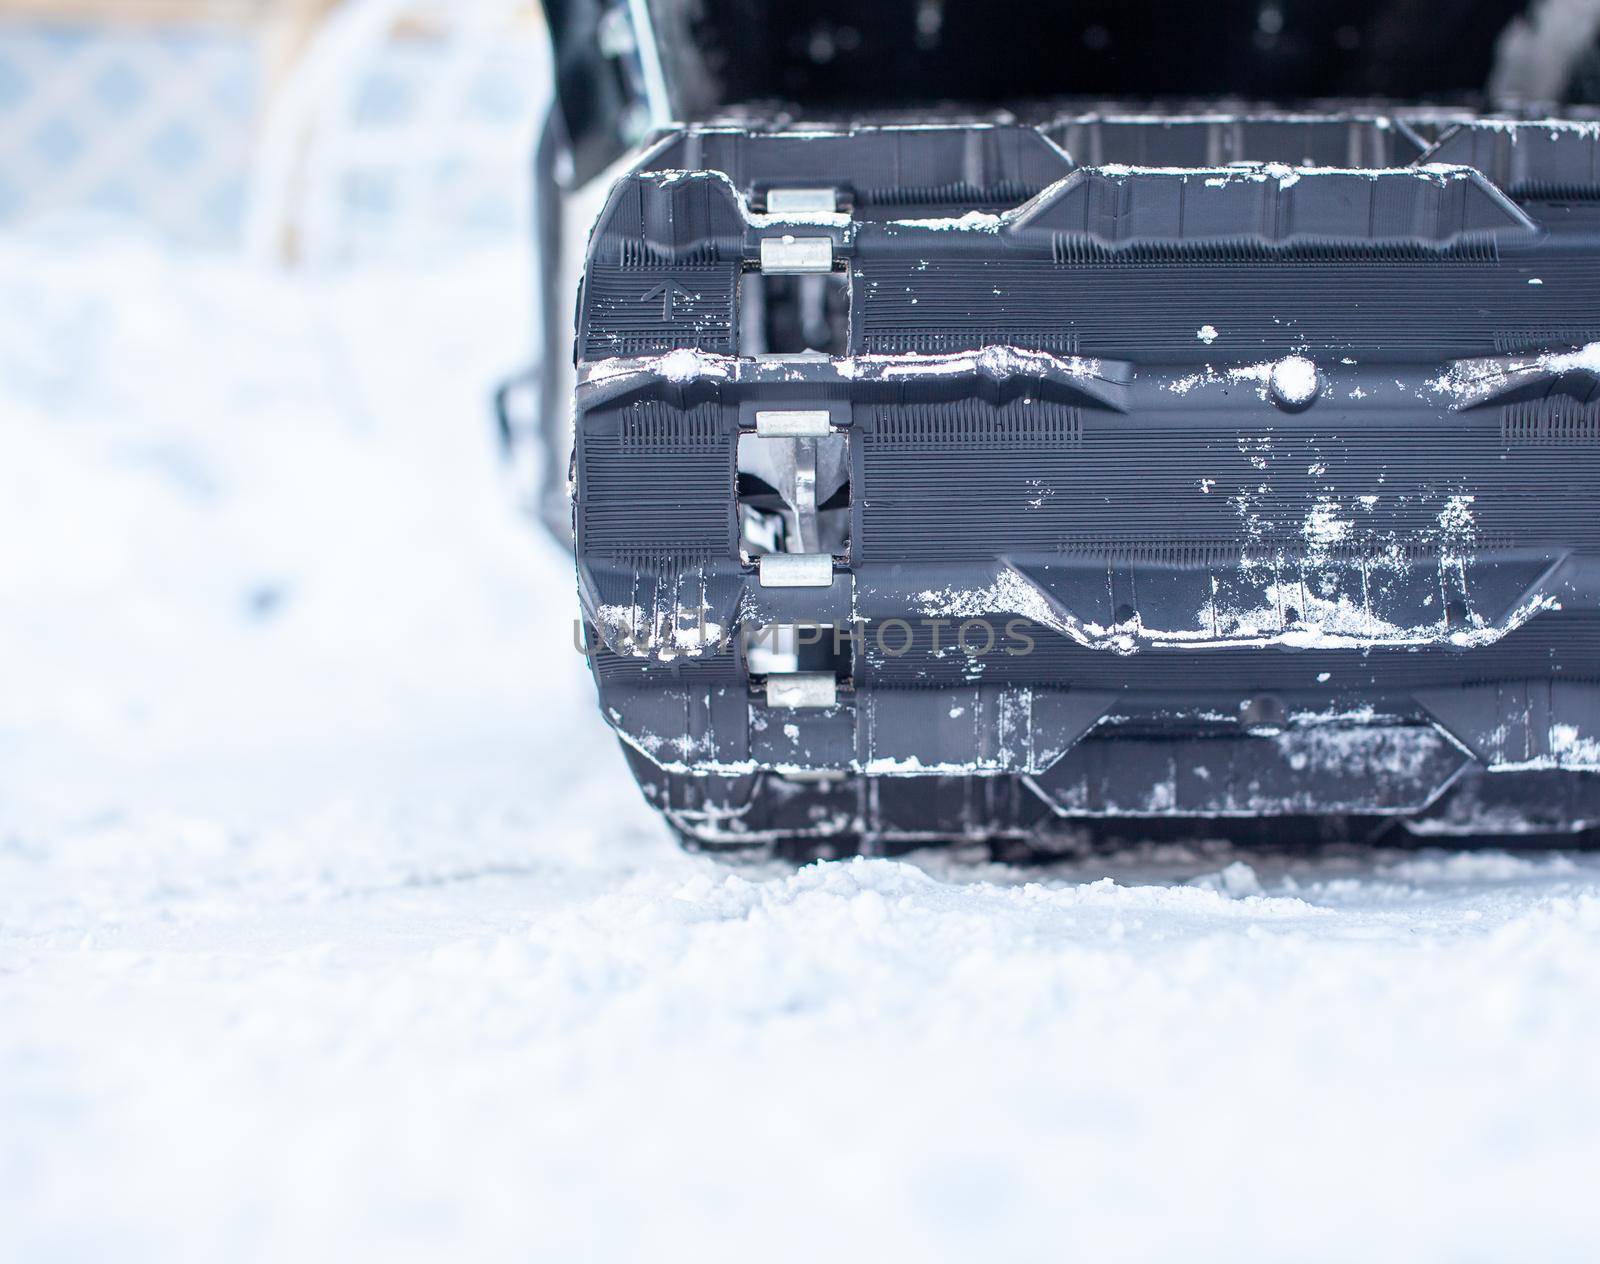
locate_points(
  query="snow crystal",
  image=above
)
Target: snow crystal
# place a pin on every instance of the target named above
(1009, 594)
(1207, 334)
(759, 219)
(683, 364)
(662, 633)
(1585, 359)
(1572, 749)
(1324, 526)
(1294, 379)
(1237, 880)
(996, 361)
(1282, 174)
(1472, 381)
(1183, 385)
(1457, 528)
(982, 221)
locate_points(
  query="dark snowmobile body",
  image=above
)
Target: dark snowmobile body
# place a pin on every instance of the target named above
(1003, 474)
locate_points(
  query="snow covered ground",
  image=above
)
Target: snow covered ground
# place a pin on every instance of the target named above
(331, 926)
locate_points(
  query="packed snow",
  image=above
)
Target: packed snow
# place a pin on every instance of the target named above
(1474, 381)
(1294, 379)
(332, 927)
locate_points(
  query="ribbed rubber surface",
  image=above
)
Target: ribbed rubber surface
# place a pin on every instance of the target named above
(1068, 405)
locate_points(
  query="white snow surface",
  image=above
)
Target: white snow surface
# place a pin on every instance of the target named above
(331, 926)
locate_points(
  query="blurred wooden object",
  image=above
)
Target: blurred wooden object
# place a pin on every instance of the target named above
(290, 26)
(312, 165)
(222, 11)
(285, 27)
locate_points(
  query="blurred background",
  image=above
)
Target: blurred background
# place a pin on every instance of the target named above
(262, 266)
(312, 131)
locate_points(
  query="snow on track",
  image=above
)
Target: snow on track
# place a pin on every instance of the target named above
(332, 927)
